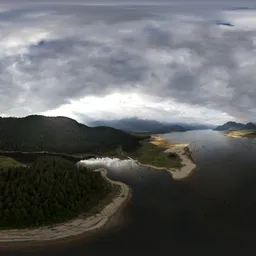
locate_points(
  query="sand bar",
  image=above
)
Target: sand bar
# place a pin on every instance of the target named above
(181, 149)
(74, 227)
(188, 165)
(241, 134)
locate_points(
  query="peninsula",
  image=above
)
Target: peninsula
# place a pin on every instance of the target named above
(93, 220)
(45, 196)
(242, 134)
(238, 130)
(159, 153)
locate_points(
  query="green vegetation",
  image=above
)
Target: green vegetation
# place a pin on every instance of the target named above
(8, 162)
(150, 154)
(51, 190)
(61, 134)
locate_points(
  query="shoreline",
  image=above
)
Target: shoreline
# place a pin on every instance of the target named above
(241, 134)
(182, 150)
(248, 136)
(83, 226)
(234, 136)
(74, 227)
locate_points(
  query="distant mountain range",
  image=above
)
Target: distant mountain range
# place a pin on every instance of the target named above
(235, 126)
(135, 124)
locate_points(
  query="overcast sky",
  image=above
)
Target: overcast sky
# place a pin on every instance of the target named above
(168, 63)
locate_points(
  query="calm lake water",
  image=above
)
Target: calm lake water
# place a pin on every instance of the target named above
(213, 211)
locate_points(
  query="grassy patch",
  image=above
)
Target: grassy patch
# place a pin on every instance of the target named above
(8, 162)
(150, 154)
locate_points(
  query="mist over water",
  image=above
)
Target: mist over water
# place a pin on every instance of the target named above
(114, 164)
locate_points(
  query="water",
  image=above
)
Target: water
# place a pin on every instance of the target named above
(211, 212)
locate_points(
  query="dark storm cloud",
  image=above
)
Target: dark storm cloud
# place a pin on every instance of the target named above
(52, 55)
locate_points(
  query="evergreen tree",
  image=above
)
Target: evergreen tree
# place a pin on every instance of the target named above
(51, 190)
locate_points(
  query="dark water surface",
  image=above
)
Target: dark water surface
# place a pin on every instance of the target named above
(213, 211)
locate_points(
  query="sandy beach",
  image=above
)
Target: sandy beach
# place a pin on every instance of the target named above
(188, 165)
(241, 134)
(233, 136)
(181, 149)
(78, 226)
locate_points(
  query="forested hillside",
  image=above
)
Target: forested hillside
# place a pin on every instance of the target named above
(52, 189)
(60, 134)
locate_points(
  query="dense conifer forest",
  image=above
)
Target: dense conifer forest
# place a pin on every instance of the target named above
(61, 134)
(49, 190)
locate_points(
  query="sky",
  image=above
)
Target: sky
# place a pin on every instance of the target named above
(189, 62)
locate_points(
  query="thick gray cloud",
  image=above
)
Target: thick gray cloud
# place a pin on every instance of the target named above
(53, 55)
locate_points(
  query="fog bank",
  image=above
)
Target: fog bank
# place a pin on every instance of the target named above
(108, 163)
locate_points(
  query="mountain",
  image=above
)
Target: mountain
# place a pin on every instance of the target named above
(60, 134)
(230, 126)
(169, 128)
(235, 126)
(135, 124)
(196, 126)
(130, 124)
(250, 126)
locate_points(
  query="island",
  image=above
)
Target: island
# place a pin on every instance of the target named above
(46, 195)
